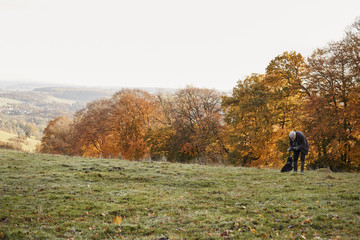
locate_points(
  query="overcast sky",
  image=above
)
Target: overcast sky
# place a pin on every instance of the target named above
(160, 43)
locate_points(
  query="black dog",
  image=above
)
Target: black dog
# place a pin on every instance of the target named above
(288, 166)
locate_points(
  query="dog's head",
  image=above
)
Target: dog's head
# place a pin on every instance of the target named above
(289, 160)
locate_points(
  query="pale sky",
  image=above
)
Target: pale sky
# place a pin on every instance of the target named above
(160, 43)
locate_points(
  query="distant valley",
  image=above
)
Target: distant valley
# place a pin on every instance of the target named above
(26, 108)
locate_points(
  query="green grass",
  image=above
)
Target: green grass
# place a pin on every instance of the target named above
(60, 197)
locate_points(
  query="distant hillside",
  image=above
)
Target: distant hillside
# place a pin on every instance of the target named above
(76, 94)
(32, 97)
(26, 113)
(22, 85)
(6, 101)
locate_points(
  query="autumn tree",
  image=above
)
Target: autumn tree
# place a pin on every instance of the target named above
(115, 127)
(57, 136)
(92, 133)
(333, 120)
(159, 136)
(198, 124)
(248, 114)
(191, 126)
(132, 115)
(285, 79)
(287, 85)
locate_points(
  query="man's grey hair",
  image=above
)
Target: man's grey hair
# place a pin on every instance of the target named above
(292, 135)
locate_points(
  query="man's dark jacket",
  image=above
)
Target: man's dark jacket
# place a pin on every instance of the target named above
(300, 142)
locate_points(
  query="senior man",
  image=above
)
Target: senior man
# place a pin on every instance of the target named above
(300, 146)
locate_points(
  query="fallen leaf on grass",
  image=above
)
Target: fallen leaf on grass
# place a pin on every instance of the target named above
(226, 233)
(253, 230)
(117, 220)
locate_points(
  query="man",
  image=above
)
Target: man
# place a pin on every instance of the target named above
(300, 146)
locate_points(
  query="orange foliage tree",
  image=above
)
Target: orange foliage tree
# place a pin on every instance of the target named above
(287, 85)
(248, 115)
(92, 133)
(132, 115)
(333, 109)
(115, 127)
(57, 136)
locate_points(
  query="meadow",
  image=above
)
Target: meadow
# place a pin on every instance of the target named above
(60, 197)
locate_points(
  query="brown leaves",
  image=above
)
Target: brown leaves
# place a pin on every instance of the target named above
(308, 220)
(253, 230)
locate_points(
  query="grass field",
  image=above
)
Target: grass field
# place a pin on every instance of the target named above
(5, 136)
(60, 197)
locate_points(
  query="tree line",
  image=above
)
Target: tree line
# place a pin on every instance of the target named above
(319, 96)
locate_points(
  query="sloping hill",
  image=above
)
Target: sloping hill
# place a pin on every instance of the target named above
(61, 197)
(5, 101)
(30, 109)
(26, 144)
(76, 94)
(5, 136)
